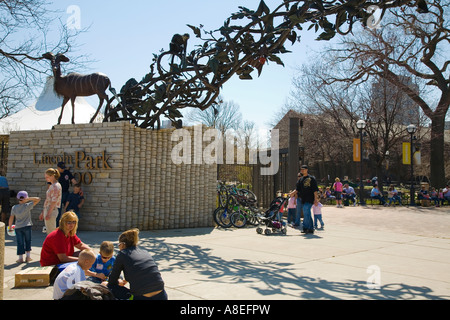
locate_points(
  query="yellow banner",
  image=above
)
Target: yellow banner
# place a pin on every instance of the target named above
(356, 150)
(406, 153)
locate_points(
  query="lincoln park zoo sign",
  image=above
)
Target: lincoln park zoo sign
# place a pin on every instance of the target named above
(81, 164)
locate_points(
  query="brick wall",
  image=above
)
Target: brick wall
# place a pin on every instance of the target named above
(130, 178)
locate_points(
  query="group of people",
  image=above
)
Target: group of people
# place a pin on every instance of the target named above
(305, 198)
(393, 195)
(347, 192)
(438, 197)
(58, 198)
(342, 191)
(75, 260)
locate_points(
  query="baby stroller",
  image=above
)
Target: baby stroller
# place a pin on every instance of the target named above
(271, 218)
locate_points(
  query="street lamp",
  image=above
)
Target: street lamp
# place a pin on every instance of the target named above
(361, 124)
(411, 130)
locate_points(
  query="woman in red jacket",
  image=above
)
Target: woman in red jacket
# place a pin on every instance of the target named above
(59, 246)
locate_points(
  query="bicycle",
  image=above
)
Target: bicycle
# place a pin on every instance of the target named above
(222, 193)
(222, 217)
(245, 216)
(222, 214)
(237, 207)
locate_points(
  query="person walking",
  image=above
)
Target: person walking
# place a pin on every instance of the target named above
(307, 190)
(292, 210)
(317, 210)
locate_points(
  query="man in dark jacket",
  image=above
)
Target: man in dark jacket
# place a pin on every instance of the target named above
(307, 190)
(65, 179)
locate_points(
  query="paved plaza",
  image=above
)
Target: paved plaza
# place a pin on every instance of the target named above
(368, 252)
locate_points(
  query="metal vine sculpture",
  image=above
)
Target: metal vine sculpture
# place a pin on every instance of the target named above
(178, 79)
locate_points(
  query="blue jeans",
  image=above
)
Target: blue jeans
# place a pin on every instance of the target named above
(319, 218)
(23, 237)
(299, 212)
(307, 218)
(395, 199)
(292, 213)
(379, 197)
(123, 293)
(350, 197)
(64, 197)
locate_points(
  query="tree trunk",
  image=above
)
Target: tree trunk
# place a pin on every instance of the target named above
(437, 169)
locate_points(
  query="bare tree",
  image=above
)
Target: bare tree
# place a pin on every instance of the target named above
(224, 115)
(25, 29)
(246, 135)
(334, 111)
(334, 108)
(412, 46)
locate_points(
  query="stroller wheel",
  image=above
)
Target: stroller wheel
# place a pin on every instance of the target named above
(267, 232)
(259, 230)
(283, 231)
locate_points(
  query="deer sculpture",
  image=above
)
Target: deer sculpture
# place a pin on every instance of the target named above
(75, 84)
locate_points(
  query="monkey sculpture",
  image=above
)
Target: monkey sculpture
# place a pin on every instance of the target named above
(178, 46)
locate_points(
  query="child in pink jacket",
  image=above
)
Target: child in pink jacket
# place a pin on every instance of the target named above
(317, 211)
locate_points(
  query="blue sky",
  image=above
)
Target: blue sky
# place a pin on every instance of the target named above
(123, 35)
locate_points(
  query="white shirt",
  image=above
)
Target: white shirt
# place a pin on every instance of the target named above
(446, 192)
(317, 209)
(67, 279)
(349, 190)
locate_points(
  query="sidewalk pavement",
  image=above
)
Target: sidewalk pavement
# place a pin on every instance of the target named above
(368, 252)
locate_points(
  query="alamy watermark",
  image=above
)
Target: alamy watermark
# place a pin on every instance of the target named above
(208, 147)
(373, 22)
(73, 22)
(374, 280)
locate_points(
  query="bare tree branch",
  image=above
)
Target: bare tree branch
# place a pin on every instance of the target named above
(25, 26)
(412, 46)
